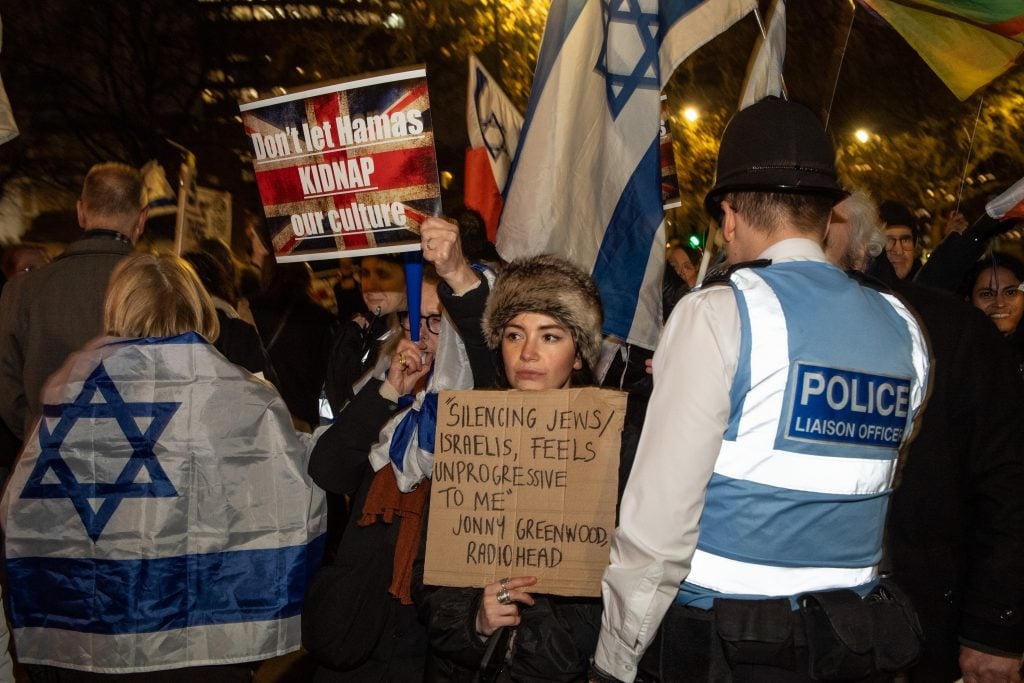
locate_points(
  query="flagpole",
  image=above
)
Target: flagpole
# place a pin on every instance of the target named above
(970, 152)
(764, 37)
(839, 68)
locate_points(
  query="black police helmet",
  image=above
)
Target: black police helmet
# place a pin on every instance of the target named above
(774, 146)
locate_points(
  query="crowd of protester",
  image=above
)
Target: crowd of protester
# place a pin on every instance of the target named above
(328, 396)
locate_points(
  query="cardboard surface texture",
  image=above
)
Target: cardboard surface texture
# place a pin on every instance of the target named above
(525, 484)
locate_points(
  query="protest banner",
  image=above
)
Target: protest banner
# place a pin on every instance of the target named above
(215, 206)
(524, 484)
(346, 168)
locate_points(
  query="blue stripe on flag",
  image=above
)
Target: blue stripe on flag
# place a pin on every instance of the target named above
(562, 16)
(626, 247)
(141, 596)
(673, 10)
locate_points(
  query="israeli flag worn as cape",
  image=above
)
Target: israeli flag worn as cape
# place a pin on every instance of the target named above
(160, 515)
(586, 181)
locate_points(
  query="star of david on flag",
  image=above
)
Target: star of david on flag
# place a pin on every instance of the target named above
(195, 528)
(586, 180)
(493, 125)
(85, 495)
(632, 62)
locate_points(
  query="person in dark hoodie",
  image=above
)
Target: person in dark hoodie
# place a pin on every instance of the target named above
(955, 531)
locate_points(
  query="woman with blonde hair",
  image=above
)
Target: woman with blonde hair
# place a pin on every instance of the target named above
(158, 296)
(159, 523)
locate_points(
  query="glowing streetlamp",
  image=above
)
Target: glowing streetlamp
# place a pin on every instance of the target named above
(862, 135)
(691, 114)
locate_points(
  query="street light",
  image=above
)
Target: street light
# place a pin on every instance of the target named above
(691, 114)
(862, 135)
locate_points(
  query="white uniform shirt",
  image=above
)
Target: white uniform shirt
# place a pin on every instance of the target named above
(694, 366)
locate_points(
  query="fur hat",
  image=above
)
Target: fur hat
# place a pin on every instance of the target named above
(553, 286)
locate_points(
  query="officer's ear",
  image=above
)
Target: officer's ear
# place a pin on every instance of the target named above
(728, 221)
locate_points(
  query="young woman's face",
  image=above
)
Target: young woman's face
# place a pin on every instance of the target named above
(383, 285)
(538, 352)
(996, 293)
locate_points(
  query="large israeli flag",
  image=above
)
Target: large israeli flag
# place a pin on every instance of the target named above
(160, 516)
(586, 180)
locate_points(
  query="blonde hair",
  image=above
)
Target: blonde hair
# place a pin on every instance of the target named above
(158, 296)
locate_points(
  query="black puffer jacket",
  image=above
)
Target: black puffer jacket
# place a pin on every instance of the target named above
(553, 642)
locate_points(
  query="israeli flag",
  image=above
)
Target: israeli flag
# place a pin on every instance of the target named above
(160, 515)
(586, 181)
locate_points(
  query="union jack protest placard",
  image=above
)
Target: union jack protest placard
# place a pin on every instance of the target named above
(346, 168)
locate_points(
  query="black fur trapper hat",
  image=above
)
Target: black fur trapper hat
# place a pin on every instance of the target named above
(553, 286)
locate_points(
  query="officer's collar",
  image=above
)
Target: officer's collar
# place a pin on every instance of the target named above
(794, 249)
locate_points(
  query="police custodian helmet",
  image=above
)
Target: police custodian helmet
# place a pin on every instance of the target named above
(774, 146)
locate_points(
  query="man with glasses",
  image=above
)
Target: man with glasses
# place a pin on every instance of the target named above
(900, 238)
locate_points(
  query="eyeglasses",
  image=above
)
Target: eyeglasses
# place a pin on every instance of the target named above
(905, 241)
(433, 322)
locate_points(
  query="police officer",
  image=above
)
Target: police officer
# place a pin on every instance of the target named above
(781, 399)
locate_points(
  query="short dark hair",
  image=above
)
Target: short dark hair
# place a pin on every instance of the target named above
(766, 211)
(893, 213)
(211, 274)
(693, 254)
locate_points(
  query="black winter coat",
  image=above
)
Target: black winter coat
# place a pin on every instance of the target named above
(956, 522)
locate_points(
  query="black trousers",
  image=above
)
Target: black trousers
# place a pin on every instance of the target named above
(688, 649)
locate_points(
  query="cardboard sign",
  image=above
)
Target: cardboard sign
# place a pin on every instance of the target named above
(215, 206)
(524, 484)
(348, 168)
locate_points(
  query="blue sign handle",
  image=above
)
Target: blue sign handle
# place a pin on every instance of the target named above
(413, 290)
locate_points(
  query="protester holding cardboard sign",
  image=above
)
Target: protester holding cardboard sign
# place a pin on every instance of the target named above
(543, 316)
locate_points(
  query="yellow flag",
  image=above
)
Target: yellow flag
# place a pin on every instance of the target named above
(965, 56)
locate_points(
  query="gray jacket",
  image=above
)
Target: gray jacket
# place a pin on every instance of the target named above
(47, 314)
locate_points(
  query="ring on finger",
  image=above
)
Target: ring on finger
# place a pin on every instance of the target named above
(504, 583)
(401, 360)
(504, 597)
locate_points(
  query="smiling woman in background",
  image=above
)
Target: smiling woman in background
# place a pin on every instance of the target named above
(995, 290)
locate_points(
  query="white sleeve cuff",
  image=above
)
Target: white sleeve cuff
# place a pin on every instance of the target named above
(616, 658)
